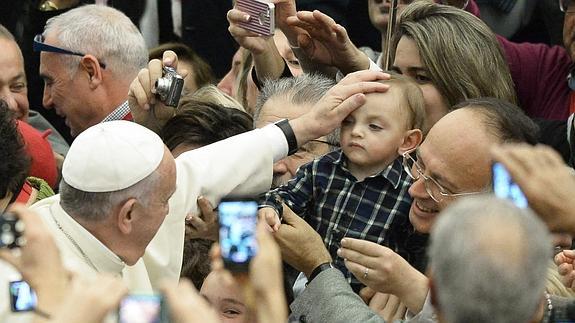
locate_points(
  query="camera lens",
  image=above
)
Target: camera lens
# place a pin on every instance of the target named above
(162, 86)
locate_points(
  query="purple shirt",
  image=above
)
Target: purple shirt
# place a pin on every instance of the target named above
(540, 76)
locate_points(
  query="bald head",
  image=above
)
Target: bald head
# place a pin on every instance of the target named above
(456, 153)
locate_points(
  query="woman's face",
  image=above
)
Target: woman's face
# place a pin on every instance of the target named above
(408, 62)
(226, 300)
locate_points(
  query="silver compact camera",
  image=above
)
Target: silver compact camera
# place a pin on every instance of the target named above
(169, 87)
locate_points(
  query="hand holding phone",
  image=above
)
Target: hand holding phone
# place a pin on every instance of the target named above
(262, 16)
(238, 220)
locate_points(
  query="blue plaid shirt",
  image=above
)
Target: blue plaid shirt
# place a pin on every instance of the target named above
(336, 205)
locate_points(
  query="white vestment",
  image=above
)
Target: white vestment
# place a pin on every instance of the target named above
(239, 165)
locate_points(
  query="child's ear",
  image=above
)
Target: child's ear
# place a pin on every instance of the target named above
(411, 140)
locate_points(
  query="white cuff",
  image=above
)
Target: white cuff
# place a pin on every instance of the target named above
(277, 141)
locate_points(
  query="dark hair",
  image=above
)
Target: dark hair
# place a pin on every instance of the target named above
(504, 120)
(202, 71)
(203, 123)
(14, 160)
(196, 264)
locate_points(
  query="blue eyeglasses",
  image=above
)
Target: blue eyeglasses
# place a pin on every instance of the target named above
(39, 46)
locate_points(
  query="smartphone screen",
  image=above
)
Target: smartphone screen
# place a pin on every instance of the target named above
(505, 188)
(141, 309)
(22, 297)
(238, 219)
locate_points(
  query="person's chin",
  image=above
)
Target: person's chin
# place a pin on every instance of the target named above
(422, 217)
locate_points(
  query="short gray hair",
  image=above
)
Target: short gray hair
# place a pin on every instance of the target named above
(104, 32)
(488, 259)
(92, 206)
(304, 89)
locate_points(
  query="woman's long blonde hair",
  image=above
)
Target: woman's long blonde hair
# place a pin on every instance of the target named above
(461, 53)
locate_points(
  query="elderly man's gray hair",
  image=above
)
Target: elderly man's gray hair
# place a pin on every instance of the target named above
(488, 260)
(90, 206)
(304, 89)
(103, 32)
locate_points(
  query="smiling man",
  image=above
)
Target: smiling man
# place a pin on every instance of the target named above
(453, 161)
(89, 56)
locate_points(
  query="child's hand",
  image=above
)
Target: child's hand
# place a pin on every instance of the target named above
(270, 217)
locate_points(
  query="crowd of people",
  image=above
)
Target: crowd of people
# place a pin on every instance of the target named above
(374, 181)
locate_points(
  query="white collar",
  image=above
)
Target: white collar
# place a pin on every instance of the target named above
(88, 247)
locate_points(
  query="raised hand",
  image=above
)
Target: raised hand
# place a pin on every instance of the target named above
(327, 42)
(145, 108)
(546, 181)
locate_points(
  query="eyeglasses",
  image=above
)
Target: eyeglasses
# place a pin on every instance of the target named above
(311, 149)
(40, 46)
(432, 187)
(567, 6)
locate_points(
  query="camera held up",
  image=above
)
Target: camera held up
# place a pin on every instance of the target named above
(169, 87)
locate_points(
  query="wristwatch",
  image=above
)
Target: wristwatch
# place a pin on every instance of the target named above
(289, 134)
(318, 270)
(47, 5)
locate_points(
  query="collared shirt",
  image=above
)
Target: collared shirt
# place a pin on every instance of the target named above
(336, 205)
(120, 113)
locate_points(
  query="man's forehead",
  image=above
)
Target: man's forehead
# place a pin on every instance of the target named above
(277, 108)
(11, 62)
(11, 52)
(458, 147)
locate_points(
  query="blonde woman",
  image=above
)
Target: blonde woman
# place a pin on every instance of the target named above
(454, 56)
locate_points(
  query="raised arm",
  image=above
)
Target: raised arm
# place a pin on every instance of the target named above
(267, 60)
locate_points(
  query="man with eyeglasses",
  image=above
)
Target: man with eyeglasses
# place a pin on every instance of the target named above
(453, 161)
(88, 58)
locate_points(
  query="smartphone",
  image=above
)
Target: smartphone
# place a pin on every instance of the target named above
(505, 188)
(11, 231)
(22, 297)
(238, 220)
(142, 309)
(262, 16)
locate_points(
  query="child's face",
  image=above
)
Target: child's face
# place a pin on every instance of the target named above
(372, 134)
